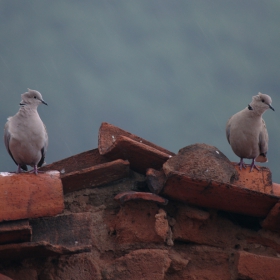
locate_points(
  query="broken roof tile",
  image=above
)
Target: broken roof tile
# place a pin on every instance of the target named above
(77, 162)
(115, 143)
(96, 175)
(108, 134)
(216, 195)
(66, 230)
(131, 195)
(88, 169)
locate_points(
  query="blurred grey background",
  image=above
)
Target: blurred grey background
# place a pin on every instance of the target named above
(172, 72)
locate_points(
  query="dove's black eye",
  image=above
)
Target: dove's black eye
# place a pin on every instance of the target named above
(35, 96)
(262, 100)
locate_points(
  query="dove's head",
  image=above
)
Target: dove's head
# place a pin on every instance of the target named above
(260, 103)
(32, 98)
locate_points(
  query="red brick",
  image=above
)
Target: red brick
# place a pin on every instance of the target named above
(155, 180)
(271, 222)
(144, 264)
(161, 226)
(276, 189)
(15, 232)
(66, 230)
(80, 267)
(264, 239)
(199, 262)
(260, 181)
(194, 225)
(178, 263)
(38, 250)
(135, 223)
(257, 267)
(28, 195)
(23, 274)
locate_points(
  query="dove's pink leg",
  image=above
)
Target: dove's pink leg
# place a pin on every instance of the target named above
(253, 165)
(241, 164)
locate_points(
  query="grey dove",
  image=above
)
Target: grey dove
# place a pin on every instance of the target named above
(25, 135)
(246, 131)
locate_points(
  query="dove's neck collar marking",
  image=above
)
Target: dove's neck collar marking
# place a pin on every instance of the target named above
(26, 109)
(250, 107)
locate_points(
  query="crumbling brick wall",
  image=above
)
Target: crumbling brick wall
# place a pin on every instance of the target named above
(203, 232)
(142, 240)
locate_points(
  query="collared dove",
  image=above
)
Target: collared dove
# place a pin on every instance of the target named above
(246, 131)
(25, 135)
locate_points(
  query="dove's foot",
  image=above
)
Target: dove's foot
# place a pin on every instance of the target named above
(35, 170)
(19, 170)
(241, 164)
(253, 165)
